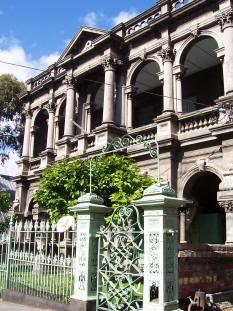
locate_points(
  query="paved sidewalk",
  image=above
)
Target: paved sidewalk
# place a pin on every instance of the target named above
(8, 306)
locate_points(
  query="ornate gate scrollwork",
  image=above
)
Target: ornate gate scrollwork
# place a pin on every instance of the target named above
(120, 273)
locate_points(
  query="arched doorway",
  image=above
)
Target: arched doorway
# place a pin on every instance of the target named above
(41, 132)
(97, 108)
(205, 220)
(203, 79)
(145, 106)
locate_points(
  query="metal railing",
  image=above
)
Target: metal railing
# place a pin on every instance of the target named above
(37, 260)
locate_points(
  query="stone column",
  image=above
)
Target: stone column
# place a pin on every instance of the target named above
(179, 95)
(228, 207)
(225, 200)
(70, 102)
(87, 117)
(109, 64)
(129, 91)
(90, 217)
(183, 225)
(168, 56)
(26, 141)
(32, 142)
(160, 247)
(56, 121)
(50, 137)
(226, 22)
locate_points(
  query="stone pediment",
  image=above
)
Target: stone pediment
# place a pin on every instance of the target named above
(82, 41)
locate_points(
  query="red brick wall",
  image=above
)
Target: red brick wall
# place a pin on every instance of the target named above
(205, 267)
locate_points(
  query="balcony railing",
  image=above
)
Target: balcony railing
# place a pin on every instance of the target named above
(199, 119)
(35, 164)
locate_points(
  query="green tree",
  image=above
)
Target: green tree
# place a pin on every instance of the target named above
(10, 114)
(4, 208)
(116, 179)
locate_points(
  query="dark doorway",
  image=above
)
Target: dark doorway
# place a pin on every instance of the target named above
(205, 218)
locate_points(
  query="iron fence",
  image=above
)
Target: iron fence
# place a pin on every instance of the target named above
(37, 260)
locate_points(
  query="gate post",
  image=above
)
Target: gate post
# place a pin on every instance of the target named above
(90, 217)
(160, 247)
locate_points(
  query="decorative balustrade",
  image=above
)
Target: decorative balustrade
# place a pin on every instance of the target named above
(91, 141)
(147, 132)
(199, 119)
(35, 164)
(177, 4)
(145, 22)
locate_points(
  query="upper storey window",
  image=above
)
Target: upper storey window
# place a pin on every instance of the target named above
(148, 99)
(203, 80)
(41, 132)
(97, 108)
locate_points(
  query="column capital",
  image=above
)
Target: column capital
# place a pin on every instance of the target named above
(130, 90)
(225, 19)
(179, 76)
(227, 205)
(110, 63)
(28, 113)
(168, 54)
(69, 81)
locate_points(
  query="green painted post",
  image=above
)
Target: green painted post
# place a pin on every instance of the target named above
(90, 217)
(160, 207)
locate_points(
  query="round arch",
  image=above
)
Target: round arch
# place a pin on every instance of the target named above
(60, 102)
(40, 127)
(36, 112)
(199, 59)
(139, 64)
(193, 171)
(192, 38)
(205, 219)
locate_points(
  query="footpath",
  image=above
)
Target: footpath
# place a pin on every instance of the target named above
(8, 306)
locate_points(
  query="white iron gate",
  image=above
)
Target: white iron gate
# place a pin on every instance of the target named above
(37, 260)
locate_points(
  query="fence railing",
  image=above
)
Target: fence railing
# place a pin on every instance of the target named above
(37, 260)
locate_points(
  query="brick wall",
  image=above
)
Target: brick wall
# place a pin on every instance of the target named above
(205, 267)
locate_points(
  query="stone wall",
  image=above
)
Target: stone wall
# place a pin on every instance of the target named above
(205, 267)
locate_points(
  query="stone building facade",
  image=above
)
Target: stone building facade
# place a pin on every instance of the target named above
(165, 74)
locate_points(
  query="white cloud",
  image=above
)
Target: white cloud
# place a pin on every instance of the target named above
(91, 19)
(124, 16)
(11, 51)
(10, 166)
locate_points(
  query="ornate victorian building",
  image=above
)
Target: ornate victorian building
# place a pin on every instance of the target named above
(165, 74)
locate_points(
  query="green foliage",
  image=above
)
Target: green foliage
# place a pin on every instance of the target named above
(116, 179)
(10, 114)
(4, 208)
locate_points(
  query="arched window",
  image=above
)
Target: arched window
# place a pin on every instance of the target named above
(41, 132)
(97, 108)
(205, 220)
(148, 97)
(203, 79)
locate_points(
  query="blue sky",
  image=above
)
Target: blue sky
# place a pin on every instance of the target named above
(34, 33)
(43, 28)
